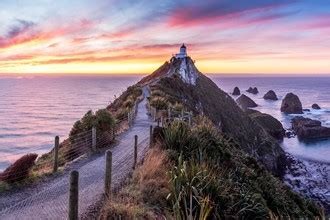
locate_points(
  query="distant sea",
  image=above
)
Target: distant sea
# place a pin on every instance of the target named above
(33, 110)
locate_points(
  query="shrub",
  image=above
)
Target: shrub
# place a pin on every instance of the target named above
(129, 103)
(176, 136)
(104, 120)
(190, 195)
(177, 107)
(159, 103)
(19, 170)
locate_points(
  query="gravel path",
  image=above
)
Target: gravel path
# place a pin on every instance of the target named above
(49, 199)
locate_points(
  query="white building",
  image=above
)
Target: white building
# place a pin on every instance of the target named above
(183, 52)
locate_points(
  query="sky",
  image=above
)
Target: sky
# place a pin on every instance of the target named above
(137, 36)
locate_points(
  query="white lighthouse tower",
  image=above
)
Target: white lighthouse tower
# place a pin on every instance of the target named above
(183, 52)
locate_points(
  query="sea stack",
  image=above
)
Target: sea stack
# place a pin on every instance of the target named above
(306, 128)
(245, 102)
(316, 106)
(236, 91)
(253, 90)
(270, 95)
(291, 104)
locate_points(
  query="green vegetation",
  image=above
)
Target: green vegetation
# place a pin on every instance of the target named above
(225, 180)
(206, 98)
(205, 175)
(125, 102)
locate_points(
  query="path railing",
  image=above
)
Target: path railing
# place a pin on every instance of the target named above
(164, 117)
(75, 146)
(54, 200)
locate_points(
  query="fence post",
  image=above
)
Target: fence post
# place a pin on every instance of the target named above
(150, 141)
(56, 147)
(108, 173)
(74, 195)
(114, 132)
(181, 114)
(169, 112)
(94, 139)
(155, 114)
(189, 118)
(135, 151)
(162, 121)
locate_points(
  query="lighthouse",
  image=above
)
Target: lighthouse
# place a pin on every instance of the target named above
(183, 52)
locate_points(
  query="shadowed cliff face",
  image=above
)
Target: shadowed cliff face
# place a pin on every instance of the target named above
(202, 96)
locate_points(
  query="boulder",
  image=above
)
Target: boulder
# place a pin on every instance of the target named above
(316, 106)
(291, 104)
(245, 102)
(236, 91)
(253, 90)
(270, 95)
(270, 124)
(307, 128)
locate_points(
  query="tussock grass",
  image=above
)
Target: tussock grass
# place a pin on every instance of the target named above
(144, 195)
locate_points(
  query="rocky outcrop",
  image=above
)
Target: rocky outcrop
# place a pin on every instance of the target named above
(253, 90)
(236, 91)
(271, 125)
(316, 106)
(245, 102)
(270, 95)
(306, 128)
(291, 104)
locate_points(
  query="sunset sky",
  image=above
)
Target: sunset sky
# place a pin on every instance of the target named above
(133, 36)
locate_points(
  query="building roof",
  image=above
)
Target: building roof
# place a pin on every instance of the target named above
(183, 46)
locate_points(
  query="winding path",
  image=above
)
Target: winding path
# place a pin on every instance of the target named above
(49, 200)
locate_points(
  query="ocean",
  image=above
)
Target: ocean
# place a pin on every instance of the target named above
(33, 110)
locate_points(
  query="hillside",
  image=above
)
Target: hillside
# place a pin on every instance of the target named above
(204, 97)
(219, 166)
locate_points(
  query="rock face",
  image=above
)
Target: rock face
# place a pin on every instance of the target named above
(245, 102)
(316, 106)
(181, 67)
(291, 104)
(236, 91)
(306, 128)
(270, 95)
(253, 90)
(271, 125)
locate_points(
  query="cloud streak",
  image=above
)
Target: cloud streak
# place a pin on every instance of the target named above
(217, 32)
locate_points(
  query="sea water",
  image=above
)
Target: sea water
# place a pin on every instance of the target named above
(33, 110)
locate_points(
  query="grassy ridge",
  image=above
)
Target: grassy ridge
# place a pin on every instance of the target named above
(198, 173)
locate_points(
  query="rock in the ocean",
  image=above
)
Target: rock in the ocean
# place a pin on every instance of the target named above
(271, 125)
(306, 128)
(270, 95)
(236, 91)
(253, 90)
(245, 102)
(316, 106)
(291, 104)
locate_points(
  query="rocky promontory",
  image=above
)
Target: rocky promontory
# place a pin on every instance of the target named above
(271, 125)
(307, 128)
(291, 104)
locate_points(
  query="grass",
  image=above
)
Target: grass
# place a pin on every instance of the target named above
(144, 193)
(213, 168)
